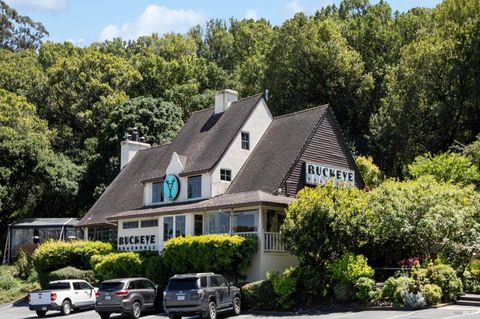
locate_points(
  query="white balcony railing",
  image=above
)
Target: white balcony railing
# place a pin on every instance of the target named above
(273, 243)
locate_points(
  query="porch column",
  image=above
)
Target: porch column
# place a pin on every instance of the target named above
(261, 236)
(85, 233)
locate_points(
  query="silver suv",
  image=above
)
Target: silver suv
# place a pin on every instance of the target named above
(129, 296)
(200, 294)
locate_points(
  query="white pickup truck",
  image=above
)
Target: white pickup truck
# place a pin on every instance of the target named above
(62, 295)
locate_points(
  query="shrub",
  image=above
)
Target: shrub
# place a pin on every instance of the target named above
(119, 265)
(349, 268)
(474, 267)
(7, 281)
(230, 255)
(72, 273)
(156, 271)
(53, 255)
(394, 286)
(284, 285)
(413, 300)
(343, 291)
(432, 294)
(365, 289)
(312, 282)
(446, 278)
(259, 295)
(471, 283)
(23, 265)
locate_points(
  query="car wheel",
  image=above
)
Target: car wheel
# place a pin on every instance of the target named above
(237, 306)
(41, 313)
(212, 310)
(175, 316)
(104, 315)
(136, 310)
(66, 308)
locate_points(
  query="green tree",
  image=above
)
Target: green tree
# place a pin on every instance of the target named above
(19, 32)
(447, 167)
(426, 214)
(371, 173)
(325, 222)
(310, 63)
(472, 151)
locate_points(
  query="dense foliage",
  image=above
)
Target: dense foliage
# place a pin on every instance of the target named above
(224, 254)
(119, 265)
(401, 84)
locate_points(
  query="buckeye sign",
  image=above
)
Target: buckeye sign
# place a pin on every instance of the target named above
(319, 174)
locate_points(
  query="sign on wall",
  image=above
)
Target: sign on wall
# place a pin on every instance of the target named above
(171, 187)
(319, 174)
(137, 242)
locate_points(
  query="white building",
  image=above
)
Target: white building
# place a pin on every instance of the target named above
(232, 169)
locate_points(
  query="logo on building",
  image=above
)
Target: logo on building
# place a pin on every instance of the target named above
(171, 187)
(320, 174)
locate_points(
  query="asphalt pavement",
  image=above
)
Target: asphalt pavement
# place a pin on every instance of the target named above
(21, 311)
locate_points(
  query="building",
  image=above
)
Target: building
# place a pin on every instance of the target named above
(232, 169)
(27, 233)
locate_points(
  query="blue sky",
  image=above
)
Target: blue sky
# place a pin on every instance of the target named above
(86, 21)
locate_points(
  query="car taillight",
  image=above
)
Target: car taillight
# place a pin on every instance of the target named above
(53, 296)
(97, 294)
(29, 297)
(121, 293)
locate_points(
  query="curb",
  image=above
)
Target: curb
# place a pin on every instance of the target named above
(14, 302)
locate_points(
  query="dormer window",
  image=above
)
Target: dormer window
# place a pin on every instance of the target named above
(225, 175)
(157, 192)
(245, 141)
(195, 186)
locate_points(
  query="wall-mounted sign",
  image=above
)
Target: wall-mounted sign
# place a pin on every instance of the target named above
(137, 242)
(319, 174)
(171, 187)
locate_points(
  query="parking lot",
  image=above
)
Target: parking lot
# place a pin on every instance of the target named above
(21, 311)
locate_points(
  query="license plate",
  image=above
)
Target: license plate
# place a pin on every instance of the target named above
(180, 297)
(108, 297)
(44, 308)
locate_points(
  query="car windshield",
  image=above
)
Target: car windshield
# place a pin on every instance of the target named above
(111, 286)
(58, 285)
(182, 284)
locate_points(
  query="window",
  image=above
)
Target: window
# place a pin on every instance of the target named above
(225, 175)
(219, 281)
(275, 220)
(130, 225)
(173, 226)
(85, 286)
(149, 223)
(182, 284)
(157, 192)
(245, 141)
(148, 284)
(194, 186)
(218, 223)
(203, 282)
(244, 222)
(198, 225)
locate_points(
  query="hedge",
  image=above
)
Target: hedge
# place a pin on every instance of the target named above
(53, 255)
(119, 265)
(225, 254)
(72, 273)
(259, 295)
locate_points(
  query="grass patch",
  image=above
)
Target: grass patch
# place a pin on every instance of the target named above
(13, 288)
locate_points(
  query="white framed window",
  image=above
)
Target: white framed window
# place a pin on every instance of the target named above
(226, 175)
(245, 222)
(130, 225)
(149, 223)
(245, 140)
(194, 186)
(174, 226)
(218, 223)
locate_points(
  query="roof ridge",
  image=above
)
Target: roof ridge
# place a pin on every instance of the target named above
(302, 111)
(155, 146)
(239, 100)
(202, 110)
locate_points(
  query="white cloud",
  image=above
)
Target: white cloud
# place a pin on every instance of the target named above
(79, 43)
(293, 7)
(155, 19)
(251, 14)
(44, 5)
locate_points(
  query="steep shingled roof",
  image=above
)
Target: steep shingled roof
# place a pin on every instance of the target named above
(271, 160)
(203, 131)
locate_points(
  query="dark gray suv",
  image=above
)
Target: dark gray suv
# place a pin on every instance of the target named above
(129, 296)
(200, 294)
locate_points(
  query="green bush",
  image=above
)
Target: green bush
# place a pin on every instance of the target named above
(365, 289)
(313, 282)
(259, 295)
(285, 286)
(53, 255)
(23, 265)
(343, 291)
(349, 268)
(72, 273)
(471, 283)
(156, 271)
(446, 278)
(228, 255)
(432, 294)
(474, 267)
(7, 281)
(394, 286)
(119, 265)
